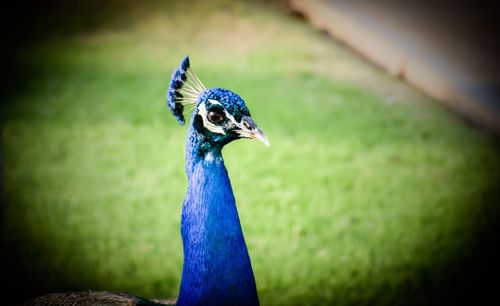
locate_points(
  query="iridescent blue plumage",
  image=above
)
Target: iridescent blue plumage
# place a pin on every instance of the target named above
(217, 268)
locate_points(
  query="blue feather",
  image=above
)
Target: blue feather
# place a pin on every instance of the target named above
(217, 268)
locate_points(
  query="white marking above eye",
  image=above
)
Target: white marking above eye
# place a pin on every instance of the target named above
(214, 102)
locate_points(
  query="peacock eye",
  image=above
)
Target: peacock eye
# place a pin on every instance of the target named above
(215, 116)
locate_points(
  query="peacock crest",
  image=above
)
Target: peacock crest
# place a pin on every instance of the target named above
(184, 89)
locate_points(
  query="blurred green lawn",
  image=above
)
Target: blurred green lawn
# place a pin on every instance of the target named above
(371, 194)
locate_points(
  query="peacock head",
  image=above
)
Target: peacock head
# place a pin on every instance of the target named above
(219, 115)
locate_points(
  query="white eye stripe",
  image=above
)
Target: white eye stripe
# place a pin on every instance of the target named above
(218, 129)
(228, 115)
(231, 117)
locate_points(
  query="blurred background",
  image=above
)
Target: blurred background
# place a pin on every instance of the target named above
(378, 189)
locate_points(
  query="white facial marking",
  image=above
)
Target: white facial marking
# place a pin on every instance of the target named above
(228, 115)
(217, 129)
(202, 110)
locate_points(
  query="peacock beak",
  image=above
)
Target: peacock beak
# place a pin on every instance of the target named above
(248, 129)
(260, 136)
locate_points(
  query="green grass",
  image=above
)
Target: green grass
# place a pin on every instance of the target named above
(370, 194)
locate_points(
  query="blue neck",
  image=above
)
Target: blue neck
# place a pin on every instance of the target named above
(217, 268)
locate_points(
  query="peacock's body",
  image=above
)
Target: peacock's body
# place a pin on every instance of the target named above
(217, 268)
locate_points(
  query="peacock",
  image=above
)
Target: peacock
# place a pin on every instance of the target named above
(217, 268)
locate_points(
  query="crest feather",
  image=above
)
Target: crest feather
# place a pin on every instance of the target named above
(184, 89)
